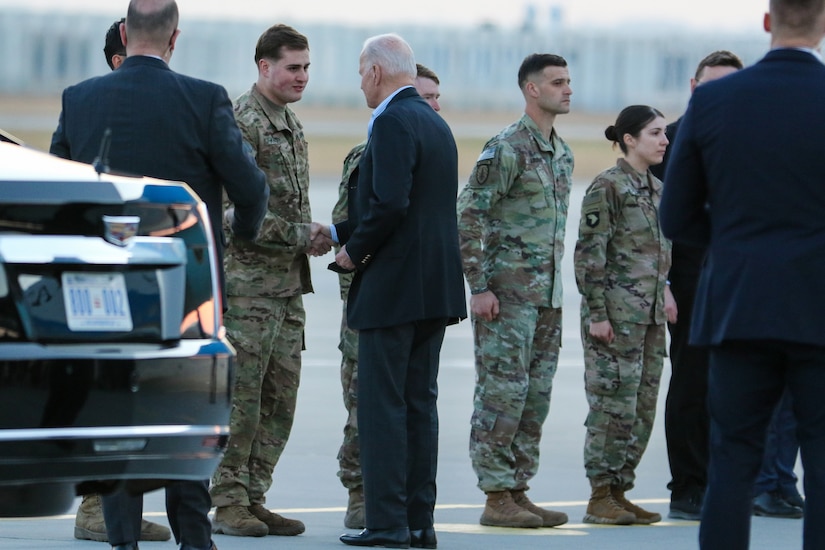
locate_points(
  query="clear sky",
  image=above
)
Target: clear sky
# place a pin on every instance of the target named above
(695, 14)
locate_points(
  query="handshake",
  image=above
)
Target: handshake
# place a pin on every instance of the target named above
(321, 243)
(320, 239)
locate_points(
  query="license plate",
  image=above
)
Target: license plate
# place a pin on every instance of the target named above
(96, 302)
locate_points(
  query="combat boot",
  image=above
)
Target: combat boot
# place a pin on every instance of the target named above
(354, 518)
(603, 508)
(277, 524)
(238, 521)
(642, 516)
(549, 518)
(89, 524)
(501, 511)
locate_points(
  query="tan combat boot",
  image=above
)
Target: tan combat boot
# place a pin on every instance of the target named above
(354, 518)
(549, 518)
(238, 521)
(501, 511)
(277, 524)
(603, 508)
(642, 516)
(89, 524)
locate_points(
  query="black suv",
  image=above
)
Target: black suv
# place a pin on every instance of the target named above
(114, 368)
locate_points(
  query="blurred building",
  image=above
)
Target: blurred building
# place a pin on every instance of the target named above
(43, 53)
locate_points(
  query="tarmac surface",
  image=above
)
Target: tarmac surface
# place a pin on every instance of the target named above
(306, 486)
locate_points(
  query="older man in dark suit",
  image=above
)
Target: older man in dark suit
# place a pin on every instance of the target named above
(402, 239)
(745, 179)
(173, 127)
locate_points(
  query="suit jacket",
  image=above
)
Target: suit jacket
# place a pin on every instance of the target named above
(170, 126)
(402, 230)
(746, 178)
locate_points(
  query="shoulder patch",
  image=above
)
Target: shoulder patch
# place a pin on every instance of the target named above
(482, 171)
(593, 215)
(593, 198)
(591, 219)
(487, 154)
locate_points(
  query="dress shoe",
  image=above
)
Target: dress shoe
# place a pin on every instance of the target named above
(686, 505)
(792, 497)
(771, 505)
(387, 538)
(127, 546)
(423, 538)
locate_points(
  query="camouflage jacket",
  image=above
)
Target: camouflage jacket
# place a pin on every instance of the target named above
(339, 211)
(622, 258)
(276, 265)
(512, 216)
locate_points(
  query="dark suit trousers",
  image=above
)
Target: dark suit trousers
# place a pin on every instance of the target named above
(187, 508)
(746, 381)
(398, 422)
(122, 514)
(687, 422)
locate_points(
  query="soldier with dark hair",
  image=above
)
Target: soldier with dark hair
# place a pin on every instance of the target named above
(264, 284)
(512, 217)
(621, 262)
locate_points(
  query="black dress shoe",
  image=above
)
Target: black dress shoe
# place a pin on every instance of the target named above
(387, 538)
(792, 497)
(772, 505)
(686, 504)
(127, 546)
(423, 538)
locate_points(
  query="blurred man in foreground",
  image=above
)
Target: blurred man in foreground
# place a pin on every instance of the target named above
(745, 180)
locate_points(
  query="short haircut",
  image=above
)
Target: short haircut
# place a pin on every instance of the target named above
(276, 38)
(719, 58)
(424, 72)
(631, 120)
(113, 44)
(391, 53)
(800, 16)
(535, 63)
(154, 22)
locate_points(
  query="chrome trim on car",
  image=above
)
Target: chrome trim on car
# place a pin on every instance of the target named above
(47, 249)
(191, 348)
(110, 432)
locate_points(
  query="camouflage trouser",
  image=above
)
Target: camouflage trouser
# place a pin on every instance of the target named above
(516, 358)
(621, 382)
(349, 457)
(268, 336)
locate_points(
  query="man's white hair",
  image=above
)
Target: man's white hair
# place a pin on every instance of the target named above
(391, 53)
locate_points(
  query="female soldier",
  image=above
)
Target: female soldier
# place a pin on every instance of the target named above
(621, 262)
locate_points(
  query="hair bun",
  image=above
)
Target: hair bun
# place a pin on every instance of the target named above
(610, 133)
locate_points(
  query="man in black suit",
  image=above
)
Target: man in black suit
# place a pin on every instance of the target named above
(745, 179)
(164, 124)
(173, 127)
(89, 523)
(687, 423)
(401, 238)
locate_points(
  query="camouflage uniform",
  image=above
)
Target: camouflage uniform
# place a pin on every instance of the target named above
(512, 216)
(265, 317)
(621, 261)
(349, 460)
